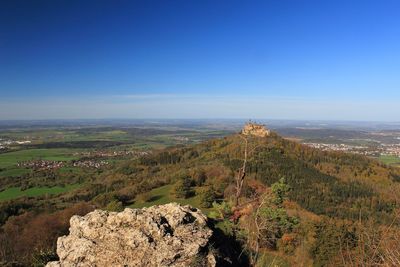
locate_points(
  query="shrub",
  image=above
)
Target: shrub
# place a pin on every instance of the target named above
(183, 188)
(42, 257)
(207, 198)
(288, 243)
(115, 206)
(199, 177)
(221, 211)
(145, 197)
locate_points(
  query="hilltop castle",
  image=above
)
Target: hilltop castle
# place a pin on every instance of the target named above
(255, 129)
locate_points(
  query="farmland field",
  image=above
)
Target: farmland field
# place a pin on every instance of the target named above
(15, 192)
(390, 160)
(89, 145)
(13, 172)
(12, 158)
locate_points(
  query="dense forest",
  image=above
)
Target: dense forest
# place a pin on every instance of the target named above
(298, 206)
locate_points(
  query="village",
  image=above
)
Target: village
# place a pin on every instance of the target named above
(108, 154)
(53, 165)
(92, 164)
(41, 164)
(6, 143)
(375, 151)
(88, 159)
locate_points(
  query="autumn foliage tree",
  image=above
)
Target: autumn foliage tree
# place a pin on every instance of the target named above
(25, 236)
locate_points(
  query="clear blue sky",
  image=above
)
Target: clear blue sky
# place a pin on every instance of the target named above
(281, 59)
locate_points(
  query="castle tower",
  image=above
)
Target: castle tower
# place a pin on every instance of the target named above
(255, 129)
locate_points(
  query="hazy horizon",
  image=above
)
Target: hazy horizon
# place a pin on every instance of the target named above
(241, 121)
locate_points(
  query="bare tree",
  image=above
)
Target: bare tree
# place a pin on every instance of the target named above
(260, 226)
(241, 174)
(377, 245)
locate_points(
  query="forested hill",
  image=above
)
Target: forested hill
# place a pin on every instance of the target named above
(340, 206)
(330, 183)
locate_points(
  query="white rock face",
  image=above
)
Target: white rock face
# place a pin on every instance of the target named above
(166, 235)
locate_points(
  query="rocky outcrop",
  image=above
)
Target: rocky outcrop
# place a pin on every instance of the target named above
(255, 130)
(166, 235)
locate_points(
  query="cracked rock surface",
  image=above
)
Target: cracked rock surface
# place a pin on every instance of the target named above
(165, 235)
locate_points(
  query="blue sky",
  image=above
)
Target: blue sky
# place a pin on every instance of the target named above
(283, 59)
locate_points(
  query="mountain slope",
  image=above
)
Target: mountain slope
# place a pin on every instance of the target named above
(330, 183)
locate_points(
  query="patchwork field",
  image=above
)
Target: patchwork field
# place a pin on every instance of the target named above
(90, 145)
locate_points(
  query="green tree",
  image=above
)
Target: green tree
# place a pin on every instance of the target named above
(208, 197)
(275, 222)
(271, 220)
(330, 237)
(221, 211)
(183, 188)
(280, 190)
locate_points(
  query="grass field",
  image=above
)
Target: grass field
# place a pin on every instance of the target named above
(59, 154)
(14, 172)
(390, 160)
(163, 195)
(15, 192)
(112, 135)
(63, 135)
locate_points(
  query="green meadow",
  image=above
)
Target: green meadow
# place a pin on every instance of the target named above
(58, 154)
(164, 194)
(390, 160)
(15, 192)
(13, 172)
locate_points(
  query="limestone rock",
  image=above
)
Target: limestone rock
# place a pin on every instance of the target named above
(166, 235)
